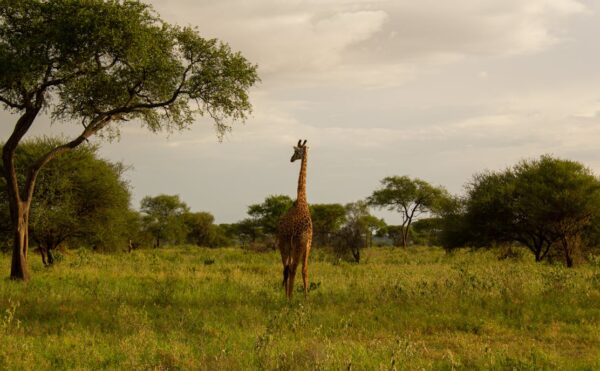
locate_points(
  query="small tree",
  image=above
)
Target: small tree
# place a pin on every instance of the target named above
(267, 214)
(327, 219)
(100, 64)
(426, 231)
(540, 203)
(163, 217)
(200, 228)
(491, 216)
(410, 197)
(79, 199)
(248, 231)
(454, 231)
(357, 231)
(561, 195)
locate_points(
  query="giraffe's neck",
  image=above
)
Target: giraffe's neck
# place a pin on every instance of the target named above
(301, 198)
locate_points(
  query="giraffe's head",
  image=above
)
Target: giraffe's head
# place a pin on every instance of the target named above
(299, 151)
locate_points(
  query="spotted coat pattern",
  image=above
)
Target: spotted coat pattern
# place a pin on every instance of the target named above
(294, 236)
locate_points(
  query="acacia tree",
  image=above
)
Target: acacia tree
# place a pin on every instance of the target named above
(543, 204)
(100, 64)
(327, 219)
(200, 228)
(357, 232)
(78, 197)
(410, 197)
(267, 214)
(562, 193)
(164, 218)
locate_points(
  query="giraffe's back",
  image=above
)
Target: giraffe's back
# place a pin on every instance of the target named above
(295, 222)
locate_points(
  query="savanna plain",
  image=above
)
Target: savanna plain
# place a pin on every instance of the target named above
(198, 308)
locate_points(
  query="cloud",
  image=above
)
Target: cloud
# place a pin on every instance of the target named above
(370, 42)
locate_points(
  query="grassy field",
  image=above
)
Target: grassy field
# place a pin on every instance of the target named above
(191, 308)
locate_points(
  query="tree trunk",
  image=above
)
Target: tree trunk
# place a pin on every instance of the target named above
(569, 260)
(43, 254)
(19, 207)
(356, 255)
(537, 251)
(50, 257)
(405, 237)
(569, 246)
(19, 270)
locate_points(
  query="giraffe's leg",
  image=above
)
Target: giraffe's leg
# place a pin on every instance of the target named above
(292, 263)
(286, 272)
(292, 276)
(305, 274)
(305, 266)
(285, 260)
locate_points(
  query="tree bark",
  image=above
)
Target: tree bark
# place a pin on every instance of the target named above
(569, 245)
(405, 231)
(46, 253)
(43, 254)
(356, 254)
(18, 269)
(19, 207)
(50, 257)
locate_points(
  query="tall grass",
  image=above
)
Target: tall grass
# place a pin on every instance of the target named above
(193, 308)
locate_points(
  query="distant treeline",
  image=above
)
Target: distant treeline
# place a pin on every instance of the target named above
(548, 205)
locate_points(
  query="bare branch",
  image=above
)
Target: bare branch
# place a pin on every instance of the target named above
(11, 104)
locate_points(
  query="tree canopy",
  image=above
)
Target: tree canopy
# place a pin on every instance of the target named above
(268, 213)
(201, 230)
(410, 197)
(163, 218)
(100, 64)
(327, 219)
(80, 198)
(542, 203)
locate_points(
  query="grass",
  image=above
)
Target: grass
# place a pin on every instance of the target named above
(192, 308)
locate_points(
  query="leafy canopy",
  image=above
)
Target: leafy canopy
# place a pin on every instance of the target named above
(537, 203)
(80, 198)
(268, 213)
(97, 61)
(163, 217)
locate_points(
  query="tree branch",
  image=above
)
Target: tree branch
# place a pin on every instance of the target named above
(11, 104)
(8, 152)
(34, 169)
(151, 105)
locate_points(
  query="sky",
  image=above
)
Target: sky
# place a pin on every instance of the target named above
(438, 90)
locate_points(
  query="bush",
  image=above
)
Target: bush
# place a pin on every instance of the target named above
(348, 242)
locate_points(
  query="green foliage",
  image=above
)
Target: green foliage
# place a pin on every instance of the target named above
(198, 308)
(98, 64)
(453, 231)
(426, 231)
(201, 230)
(267, 214)
(80, 199)
(163, 218)
(544, 204)
(247, 231)
(410, 197)
(327, 219)
(97, 60)
(357, 231)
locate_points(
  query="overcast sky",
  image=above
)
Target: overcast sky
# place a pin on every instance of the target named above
(432, 89)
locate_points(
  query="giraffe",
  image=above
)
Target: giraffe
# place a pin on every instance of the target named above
(294, 234)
